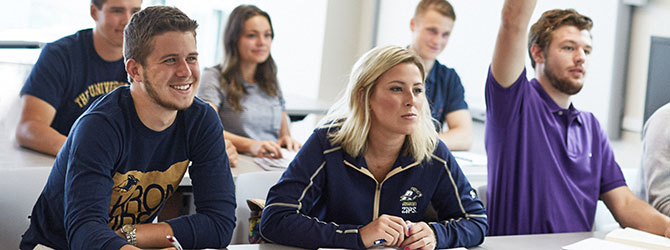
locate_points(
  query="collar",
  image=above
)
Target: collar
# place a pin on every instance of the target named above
(572, 112)
(401, 161)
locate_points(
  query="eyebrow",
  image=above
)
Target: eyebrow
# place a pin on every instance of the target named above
(404, 83)
(176, 55)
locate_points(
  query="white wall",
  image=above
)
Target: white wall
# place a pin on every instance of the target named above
(647, 20)
(349, 25)
(471, 45)
(299, 28)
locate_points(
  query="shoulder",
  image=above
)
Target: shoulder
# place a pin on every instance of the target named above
(200, 110)
(441, 152)
(211, 71)
(73, 41)
(443, 69)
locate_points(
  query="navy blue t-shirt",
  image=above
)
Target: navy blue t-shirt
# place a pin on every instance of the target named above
(444, 92)
(70, 75)
(113, 170)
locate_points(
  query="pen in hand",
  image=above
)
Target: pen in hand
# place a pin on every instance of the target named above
(174, 242)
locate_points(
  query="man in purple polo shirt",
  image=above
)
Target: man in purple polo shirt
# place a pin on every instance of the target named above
(549, 163)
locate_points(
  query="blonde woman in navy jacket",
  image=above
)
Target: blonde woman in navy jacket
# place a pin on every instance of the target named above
(368, 174)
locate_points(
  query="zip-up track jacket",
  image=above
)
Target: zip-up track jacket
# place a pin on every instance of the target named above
(326, 196)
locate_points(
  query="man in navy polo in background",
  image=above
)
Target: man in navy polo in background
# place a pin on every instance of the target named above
(431, 28)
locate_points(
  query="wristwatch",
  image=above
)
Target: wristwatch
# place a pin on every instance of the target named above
(129, 230)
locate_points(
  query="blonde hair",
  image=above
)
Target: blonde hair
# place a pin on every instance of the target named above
(349, 118)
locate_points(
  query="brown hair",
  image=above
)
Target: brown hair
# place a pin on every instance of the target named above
(98, 3)
(231, 75)
(541, 32)
(150, 22)
(441, 6)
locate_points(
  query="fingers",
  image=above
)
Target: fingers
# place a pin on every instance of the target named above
(289, 143)
(231, 151)
(269, 149)
(421, 237)
(295, 145)
(390, 229)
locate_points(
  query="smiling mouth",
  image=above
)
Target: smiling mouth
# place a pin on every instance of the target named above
(181, 87)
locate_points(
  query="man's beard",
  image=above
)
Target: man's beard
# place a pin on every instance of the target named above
(563, 85)
(157, 99)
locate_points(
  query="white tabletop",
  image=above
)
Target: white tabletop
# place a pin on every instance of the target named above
(516, 242)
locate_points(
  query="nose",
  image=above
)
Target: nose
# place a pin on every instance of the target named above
(580, 56)
(183, 69)
(410, 100)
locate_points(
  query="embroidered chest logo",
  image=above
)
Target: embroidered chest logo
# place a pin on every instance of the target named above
(408, 200)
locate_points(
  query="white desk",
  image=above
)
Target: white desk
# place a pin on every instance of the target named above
(476, 173)
(300, 106)
(517, 242)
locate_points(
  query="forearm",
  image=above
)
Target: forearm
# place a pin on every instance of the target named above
(640, 215)
(283, 225)
(284, 129)
(511, 44)
(39, 137)
(460, 233)
(457, 138)
(243, 144)
(151, 235)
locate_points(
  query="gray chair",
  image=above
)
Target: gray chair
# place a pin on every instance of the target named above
(250, 185)
(20, 188)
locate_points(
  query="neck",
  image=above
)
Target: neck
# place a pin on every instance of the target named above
(381, 145)
(151, 114)
(248, 71)
(428, 65)
(561, 99)
(106, 50)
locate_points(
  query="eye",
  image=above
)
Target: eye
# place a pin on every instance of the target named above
(569, 48)
(396, 89)
(169, 61)
(251, 35)
(268, 35)
(192, 59)
(446, 34)
(587, 51)
(418, 90)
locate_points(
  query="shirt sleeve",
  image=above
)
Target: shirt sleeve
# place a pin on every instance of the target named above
(287, 219)
(611, 177)
(462, 217)
(656, 160)
(48, 78)
(213, 188)
(504, 103)
(210, 87)
(88, 184)
(455, 95)
(280, 95)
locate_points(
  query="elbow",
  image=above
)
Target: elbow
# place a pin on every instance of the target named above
(22, 134)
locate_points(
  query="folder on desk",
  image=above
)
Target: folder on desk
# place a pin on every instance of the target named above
(270, 164)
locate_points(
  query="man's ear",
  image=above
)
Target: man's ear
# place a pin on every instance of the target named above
(94, 12)
(537, 54)
(134, 70)
(411, 24)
